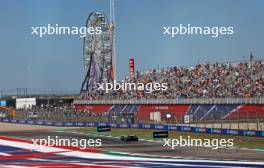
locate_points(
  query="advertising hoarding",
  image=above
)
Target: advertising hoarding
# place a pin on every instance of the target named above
(25, 103)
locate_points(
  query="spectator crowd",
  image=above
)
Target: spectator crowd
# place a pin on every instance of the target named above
(218, 80)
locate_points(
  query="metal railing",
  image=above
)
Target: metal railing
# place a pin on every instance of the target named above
(256, 101)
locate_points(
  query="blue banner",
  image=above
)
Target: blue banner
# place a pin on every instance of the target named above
(3, 103)
(134, 126)
(31, 122)
(59, 124)
(89, 124)
(81, 124)
(159, 127)
(113, 125)
(49, 123)
(141, 126)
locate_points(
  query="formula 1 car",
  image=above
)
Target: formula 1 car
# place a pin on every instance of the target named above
(129, 138)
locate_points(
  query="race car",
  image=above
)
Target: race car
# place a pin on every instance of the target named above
(129, 138)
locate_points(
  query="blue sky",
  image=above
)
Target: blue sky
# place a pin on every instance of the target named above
(56, 62)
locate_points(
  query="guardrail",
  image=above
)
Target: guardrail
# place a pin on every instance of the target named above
(256, 101)
(140, 126)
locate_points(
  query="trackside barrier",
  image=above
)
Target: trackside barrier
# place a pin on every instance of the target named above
(140, 126)
(240, 100)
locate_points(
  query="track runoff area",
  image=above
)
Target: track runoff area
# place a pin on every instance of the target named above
(36, 146)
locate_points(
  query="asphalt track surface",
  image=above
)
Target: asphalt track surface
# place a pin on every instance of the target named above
(147, 147)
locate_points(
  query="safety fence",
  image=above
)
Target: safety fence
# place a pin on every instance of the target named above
(257, 100)
(140, 126)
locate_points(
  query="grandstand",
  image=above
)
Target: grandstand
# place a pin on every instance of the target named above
(218, 80)
(205, 92)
